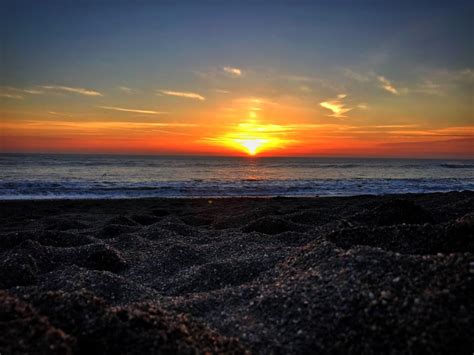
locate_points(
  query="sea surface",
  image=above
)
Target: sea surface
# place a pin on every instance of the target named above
(38, 176)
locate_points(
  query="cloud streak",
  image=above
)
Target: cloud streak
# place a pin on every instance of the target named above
(11, 96)
(336, 106)
(126, 89)
(232, 71)
(47, 126)
(17, 93)
(387, 85)
(23, 91)
(121, 109)
(374, 78)
(80, 91)
(185, 94)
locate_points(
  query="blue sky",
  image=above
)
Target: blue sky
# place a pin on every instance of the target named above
(124, 40)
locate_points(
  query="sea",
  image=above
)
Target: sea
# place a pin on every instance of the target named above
(54, 176)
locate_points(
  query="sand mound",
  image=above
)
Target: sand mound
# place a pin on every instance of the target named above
(272, 225)
(426, 239)
(20, 321)
(122, 221)
(115, 230)
(334, 275)
(99, 328)
(144, 220)
(397, 211)
(62, 223)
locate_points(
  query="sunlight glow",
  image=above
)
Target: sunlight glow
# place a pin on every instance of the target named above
(252, 145)
(253, 137)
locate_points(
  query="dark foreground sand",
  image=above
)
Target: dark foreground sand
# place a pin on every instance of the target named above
(325, 275)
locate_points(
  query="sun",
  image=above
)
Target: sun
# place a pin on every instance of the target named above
(252, 145)
(253, 137)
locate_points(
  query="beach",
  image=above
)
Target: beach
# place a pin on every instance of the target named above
(355, 274)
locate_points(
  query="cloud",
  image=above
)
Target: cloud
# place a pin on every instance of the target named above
(441, 82)
(463, 75)
(17, 93)
(126, 89)
(462, 131)
(362, 78)
(396, 126)
(466, 74)
(299, 78)
(387, 85)
(221, 91)
(336, 106)
(81, 91)
(92, 125)
(429, 87)
(188, 95)
(121, 109)
(11, 96)
(232, 71)
(23, 91)
(372, 77)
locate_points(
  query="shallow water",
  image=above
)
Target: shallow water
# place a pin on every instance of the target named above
(38, 176)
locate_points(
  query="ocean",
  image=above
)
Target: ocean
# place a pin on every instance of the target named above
(48, 176)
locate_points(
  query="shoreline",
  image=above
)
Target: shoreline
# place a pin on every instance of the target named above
(217, 197)
(354, 274)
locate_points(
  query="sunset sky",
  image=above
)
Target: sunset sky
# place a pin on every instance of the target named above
(277, 78)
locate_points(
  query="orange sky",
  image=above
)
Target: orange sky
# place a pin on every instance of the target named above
(233, 126)
(254, 79)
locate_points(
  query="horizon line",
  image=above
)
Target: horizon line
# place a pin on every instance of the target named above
(254, 157)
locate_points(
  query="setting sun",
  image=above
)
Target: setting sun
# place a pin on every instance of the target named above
(252, 137)
(252, 145)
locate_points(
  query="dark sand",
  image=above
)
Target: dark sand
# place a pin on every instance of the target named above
(360, 274)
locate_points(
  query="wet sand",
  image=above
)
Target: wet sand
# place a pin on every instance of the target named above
(363, 274)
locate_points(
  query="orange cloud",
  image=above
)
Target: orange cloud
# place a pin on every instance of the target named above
(185, 94)
(336, 106)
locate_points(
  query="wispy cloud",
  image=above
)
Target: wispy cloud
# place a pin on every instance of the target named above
(232, 71)
(188, 95)
(359, 77)
(429, 87)
(80, 91)
(10, 92)
(126, 89)
(299, 78)
(387, 85)
(441, 82)
(462, 131)
(336, 106)
(121, 109)
(221, 91)
(92, 125)
(467, 74)
(374, 78)
(396, 126)
(22, 91)
(11, 96)
(305, 89)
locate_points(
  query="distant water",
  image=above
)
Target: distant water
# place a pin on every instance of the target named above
(112, 176)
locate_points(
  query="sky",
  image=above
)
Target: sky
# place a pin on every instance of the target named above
(267, 78)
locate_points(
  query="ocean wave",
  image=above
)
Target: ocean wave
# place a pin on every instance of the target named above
(89, 189)
(457, 166)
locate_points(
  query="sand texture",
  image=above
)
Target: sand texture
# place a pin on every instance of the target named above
(372, 275)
